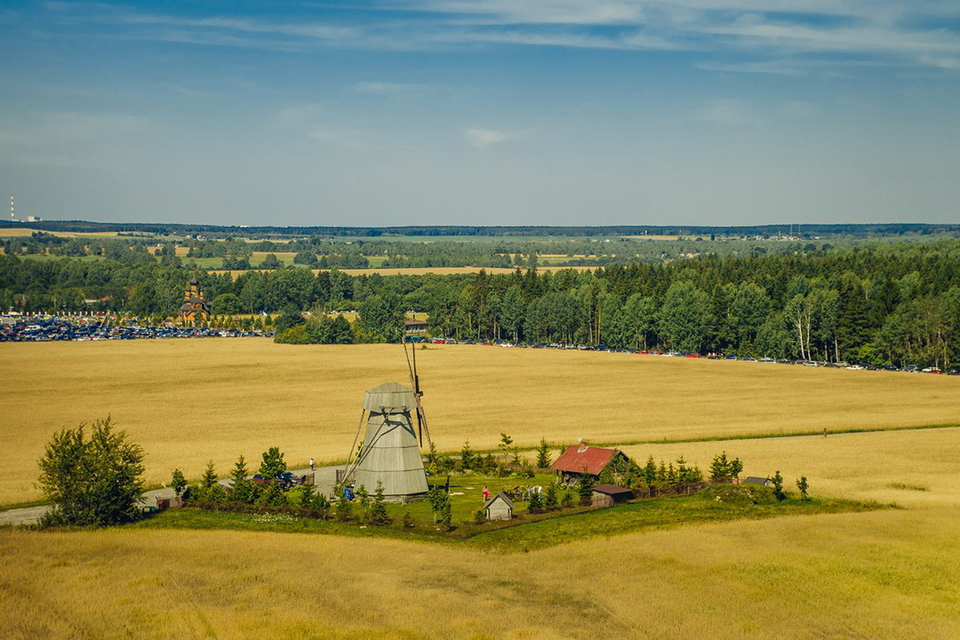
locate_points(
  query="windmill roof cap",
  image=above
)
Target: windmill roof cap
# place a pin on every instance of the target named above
(390, 396)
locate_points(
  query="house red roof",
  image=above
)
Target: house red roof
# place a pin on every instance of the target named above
(580, 457)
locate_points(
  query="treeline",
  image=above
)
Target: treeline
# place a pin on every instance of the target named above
(808, 230)
(882, 303)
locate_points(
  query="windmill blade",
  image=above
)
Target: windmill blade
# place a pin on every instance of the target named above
(417, 392)
(422, 422)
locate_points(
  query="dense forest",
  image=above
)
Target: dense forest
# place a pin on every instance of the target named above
(886, 302)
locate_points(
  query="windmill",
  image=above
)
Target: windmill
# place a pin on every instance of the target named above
(390, 451)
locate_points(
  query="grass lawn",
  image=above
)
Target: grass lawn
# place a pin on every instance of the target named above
(525, 532)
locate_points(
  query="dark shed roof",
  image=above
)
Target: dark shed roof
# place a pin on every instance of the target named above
(613, 490)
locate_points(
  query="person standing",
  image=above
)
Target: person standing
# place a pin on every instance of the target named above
(486, 494)
(311, 464)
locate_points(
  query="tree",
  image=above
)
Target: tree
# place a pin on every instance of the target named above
(550, 499)
(382, 316)
(543, 454)
(378, 514)
(440, 505)
(273, 464)
(513, 310)
(684, 317)
(243, 489)
(505, 442)
(178, 483)
(270, 261)
(467, 457)
(778, 486)
(585, 487)
(92, 482)
(803, 486)
(210, 489)
(536, 502)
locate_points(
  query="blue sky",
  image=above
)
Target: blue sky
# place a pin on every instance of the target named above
(482, 111)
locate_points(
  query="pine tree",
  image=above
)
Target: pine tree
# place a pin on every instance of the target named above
(585, 487)
(543, 454)
(803, 486)
(378, 514)
(536, 501)
(243, 489)
(550, 499)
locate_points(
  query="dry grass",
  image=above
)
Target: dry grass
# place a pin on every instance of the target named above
(418, 271)
(875, 575)
(20, 232)
(918, 469)
(191, 401)
(881, 575)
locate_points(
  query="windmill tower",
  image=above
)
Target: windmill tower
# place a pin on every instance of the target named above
(13, 210)
(390, 451)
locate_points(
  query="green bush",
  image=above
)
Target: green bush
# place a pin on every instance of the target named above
(92, 482)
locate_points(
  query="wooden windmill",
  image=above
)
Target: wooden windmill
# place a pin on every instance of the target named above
(390, 451)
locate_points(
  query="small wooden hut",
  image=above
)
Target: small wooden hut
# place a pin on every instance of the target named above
(499, 507)
(607, 495)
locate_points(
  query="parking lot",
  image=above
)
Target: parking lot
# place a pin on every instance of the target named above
(82, 328)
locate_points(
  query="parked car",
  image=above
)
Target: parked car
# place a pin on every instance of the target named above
(289, 479)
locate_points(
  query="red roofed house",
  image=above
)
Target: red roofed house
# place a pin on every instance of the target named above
(580, 459)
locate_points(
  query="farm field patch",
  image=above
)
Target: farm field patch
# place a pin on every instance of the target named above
(880, 575)
(188, 402)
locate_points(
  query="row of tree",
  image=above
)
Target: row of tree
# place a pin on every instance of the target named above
(886, 303)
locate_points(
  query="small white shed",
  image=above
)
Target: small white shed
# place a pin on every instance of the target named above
(499, 507)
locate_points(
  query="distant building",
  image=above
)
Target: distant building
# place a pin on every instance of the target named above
(194, 306)
(499, 507)
(582, 459)
(414, 327)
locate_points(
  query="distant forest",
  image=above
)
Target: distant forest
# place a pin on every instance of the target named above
(878, 303)
(220, 231)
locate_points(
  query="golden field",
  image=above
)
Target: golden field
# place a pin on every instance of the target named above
(877, 575)
(191, 401)
(419, 271)
(21, 232)
(880, 575)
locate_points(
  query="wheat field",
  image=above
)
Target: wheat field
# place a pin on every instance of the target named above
(879, 575)
(188, 402)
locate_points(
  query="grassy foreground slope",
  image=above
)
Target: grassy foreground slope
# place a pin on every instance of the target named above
(191, 401)
(878, 575)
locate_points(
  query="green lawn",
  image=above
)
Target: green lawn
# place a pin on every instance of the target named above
(526, 532)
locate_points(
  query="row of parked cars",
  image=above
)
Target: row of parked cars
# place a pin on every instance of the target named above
(710, 356)
(50, 328)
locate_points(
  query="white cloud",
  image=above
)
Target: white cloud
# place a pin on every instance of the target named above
(730, 112)
(841, 32)
(482, 138)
